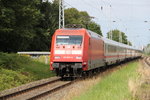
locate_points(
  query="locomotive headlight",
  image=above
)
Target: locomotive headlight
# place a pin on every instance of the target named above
(84, 63)
(57, 57)
(78, 57)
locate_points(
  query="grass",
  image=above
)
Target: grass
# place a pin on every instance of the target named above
(113, 86)
(16, 70)
(141, 89)
(80, 87)
(10, 78)
(42, 59)
(146, 54)
(38, 70)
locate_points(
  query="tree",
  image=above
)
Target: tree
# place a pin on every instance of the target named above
(95, 27)
(147, 49)
(46, 27)
(73, 16)
(17, 21)
(115, 36)
(27, 24)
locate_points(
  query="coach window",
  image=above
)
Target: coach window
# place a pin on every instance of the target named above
(114, 49)
(118, 50)
(105, 45)
(109, 49)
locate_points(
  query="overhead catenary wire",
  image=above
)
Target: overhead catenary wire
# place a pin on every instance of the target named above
(100, 11)
(93, 8)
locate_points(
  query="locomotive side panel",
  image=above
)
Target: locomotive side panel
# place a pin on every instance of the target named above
(86, 52)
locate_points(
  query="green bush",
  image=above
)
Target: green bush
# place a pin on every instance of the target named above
(16, 70)
(10, 78)
(12, 61)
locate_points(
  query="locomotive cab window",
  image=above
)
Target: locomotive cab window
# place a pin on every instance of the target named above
(69, 40)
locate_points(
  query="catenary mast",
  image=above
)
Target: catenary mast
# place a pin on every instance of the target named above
(61, 14)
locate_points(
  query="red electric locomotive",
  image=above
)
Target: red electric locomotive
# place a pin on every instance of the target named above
(75, 50)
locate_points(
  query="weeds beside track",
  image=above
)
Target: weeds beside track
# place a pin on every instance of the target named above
(147, 60)
(141, 89)
(114, 86)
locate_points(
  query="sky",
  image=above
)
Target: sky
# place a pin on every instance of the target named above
(131, 17)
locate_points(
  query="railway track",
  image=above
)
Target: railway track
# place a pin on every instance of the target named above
(34, 90)
(40, 89)
(147, 60)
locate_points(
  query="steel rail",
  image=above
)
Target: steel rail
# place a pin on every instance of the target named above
(11, 93)
(49, 91)
(147, 60)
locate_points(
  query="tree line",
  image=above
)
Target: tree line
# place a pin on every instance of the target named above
(28, 25)
(147, 49)
(117, 34)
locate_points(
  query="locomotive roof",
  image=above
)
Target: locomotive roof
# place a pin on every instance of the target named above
(93, 34)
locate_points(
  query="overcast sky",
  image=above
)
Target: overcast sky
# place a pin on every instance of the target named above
(129, 16)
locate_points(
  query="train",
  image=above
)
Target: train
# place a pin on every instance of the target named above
(78, 51)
